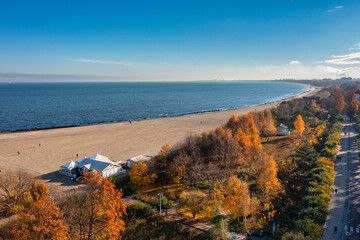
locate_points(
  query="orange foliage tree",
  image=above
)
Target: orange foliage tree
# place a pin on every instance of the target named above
(139, 175)
(247, 134)
(106, 208)
(39, 191)
(236, 198)
(352, 104)
(338, 99)
(269, 129)
(232, 122)
(299, 125)
(265, 123)
(43, 220)
(267, 175)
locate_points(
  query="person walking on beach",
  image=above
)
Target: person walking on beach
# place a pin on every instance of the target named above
(18, 152)
(77, 155)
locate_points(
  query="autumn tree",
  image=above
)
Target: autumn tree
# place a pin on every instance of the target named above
(162, 164)
(338, 101)
(264, 123)
(314, 106)
(14, 192)
(252, 131)
(43, 220)
(178, 168)
(139, 174)
(267, 174)
(236, 198)
(193, 201)
(246, 132)
(104, 208)
(232, 122)
(269, 129)
(352, 104)
(39, 191)
(299, 125)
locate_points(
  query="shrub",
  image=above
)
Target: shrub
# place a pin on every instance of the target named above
(339, 118)
(293, 236)
(309, 228)
(123, 182)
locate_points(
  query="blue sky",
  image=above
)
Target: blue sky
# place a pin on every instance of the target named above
(178, 40)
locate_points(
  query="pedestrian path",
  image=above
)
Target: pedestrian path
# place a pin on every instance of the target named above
(336, 226)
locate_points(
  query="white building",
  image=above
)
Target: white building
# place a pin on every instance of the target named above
(99, 163)
(282, 130)
(136, 159)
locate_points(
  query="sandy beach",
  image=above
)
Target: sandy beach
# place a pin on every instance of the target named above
(118, 141)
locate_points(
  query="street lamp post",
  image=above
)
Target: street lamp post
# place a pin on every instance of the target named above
(160, 195)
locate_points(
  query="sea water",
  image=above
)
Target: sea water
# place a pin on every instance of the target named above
(25, 106)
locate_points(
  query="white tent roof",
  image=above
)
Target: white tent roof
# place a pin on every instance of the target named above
(101, 158)
(69, 165)
(88, 166)
(139, 158)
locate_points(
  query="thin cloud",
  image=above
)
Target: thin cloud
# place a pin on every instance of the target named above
(339, 72)
(84, 60)
(336, 8)
(294, 62)
(352, 58)
(356, 47)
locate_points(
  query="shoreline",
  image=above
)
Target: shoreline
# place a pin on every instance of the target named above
(179, 115)
(42, 152)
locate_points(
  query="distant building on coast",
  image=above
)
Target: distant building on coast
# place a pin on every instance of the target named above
(98, 163)
(282, 130)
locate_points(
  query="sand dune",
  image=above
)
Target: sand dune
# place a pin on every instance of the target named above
(118, 141)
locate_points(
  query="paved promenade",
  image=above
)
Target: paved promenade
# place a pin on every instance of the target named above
(344, 207)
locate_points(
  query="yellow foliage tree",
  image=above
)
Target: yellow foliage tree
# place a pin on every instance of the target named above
(218, 191)
(267, 175)
(236, 198)
(299, 125)
(139, 175)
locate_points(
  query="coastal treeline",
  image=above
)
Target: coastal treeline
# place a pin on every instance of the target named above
(235, 170)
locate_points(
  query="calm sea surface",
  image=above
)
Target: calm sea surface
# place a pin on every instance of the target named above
(45, 105)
